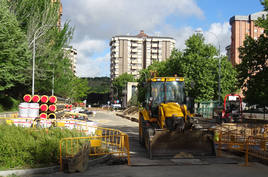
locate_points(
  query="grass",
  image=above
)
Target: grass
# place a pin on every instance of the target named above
(29, 148)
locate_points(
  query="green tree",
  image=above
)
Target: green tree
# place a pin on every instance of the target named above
(39, 21)
(253, 69)
(14, 55)
(119, 83)
(80, 89)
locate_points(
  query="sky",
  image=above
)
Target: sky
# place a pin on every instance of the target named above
(97, 21)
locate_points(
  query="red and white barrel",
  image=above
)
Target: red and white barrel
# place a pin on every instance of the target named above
(33, 110)
(23, 110)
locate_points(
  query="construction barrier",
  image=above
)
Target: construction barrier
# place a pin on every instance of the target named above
(251, 139)
(104, 141)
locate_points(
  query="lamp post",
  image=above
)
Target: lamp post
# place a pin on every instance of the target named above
(219, 78)
(34, 50)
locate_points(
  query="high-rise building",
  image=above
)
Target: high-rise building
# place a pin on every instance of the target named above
(60, 11)
(130, 54)
(71, 54)
(243, 26)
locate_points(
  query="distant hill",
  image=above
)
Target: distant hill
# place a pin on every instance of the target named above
(99, 85)
(99, 90)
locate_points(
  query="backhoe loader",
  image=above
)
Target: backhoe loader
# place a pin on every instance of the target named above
(166, 127)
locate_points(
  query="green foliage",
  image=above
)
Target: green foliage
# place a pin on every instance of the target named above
(38, 20)
(26, 147)
(199, 67)
(253, 69)
(119, 83)
(100, 85)
(8, 103)
(80, 89)
(14, 56)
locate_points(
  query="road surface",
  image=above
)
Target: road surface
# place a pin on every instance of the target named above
(143, 167)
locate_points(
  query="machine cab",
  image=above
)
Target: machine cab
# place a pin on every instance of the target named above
(164, 90)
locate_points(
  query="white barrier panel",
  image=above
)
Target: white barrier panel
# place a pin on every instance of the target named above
(23, 122)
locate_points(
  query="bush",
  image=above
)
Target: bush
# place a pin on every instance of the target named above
(8, 103)
(27, 147)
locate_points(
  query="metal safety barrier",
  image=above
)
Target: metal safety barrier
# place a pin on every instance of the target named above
(105, 141)
(247, 138)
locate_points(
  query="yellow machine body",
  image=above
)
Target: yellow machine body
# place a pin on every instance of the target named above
(165, 123)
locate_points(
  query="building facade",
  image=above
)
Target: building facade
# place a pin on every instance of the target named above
(243, 26)
(130, 54)
(71, 54)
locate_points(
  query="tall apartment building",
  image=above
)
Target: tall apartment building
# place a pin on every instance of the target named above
(71, 53)
(243, 26)
(130, 54)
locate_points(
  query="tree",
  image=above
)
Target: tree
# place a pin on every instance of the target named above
(253, 69)
(119, 83)
(199, 67)
(39, 21)
(80, 89)
(14, 55)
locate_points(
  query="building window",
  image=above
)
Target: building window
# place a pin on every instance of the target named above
(255, 30)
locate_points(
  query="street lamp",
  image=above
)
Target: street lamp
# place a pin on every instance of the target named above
(219, 79)
(34, 50)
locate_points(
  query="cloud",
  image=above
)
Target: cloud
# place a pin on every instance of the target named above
(219, 35)
(102, 19)
(93, 67)
(96, 21)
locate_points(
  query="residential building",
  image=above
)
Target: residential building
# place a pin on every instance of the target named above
(71, 53)
(60, 11)
(243, 26)
(130, 54)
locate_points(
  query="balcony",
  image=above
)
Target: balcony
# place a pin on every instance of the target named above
(134, 61)
(154, 51)
(154, 56)
(134, 44)
(135, 50)
(134, 56)
(154, 45)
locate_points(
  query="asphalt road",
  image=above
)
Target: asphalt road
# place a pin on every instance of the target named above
(229, 166)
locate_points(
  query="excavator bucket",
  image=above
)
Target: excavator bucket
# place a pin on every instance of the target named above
(186, 144)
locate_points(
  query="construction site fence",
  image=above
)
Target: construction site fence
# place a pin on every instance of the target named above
(104, 142)
(250, 139)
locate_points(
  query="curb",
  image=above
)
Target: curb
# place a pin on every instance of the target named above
(49, 170)
(133, 119)
(24, 172)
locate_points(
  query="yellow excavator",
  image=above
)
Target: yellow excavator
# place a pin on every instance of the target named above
(167, 127)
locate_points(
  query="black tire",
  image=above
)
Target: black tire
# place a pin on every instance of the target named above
(141, 131)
